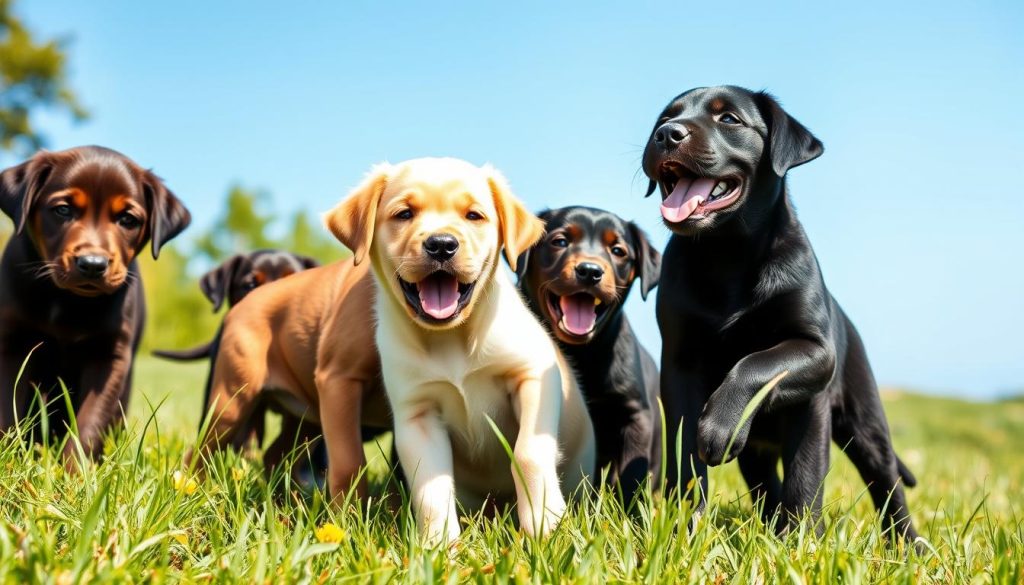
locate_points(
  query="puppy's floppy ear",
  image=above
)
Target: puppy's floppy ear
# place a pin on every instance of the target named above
(352, 221)
(22, 185)
(167, 214)
(790, 143)
(518, 228)
(648, 260)
(216, 284)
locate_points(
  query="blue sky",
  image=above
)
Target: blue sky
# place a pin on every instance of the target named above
(915, 210)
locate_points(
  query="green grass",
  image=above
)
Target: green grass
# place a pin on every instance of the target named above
(125, 520)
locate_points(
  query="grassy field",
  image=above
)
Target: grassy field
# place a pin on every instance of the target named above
(132, 520)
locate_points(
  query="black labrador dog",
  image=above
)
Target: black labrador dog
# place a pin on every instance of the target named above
(69, 285)
(576, 280)
(742, 300)
(229, 283)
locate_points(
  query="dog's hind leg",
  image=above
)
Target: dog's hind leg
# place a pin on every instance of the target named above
(238, 374)
(805, 459)
(760, 471)
(860, 429)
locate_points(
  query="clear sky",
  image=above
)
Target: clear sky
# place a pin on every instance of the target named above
(916, 209)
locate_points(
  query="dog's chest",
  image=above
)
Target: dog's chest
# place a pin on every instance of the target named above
(467, 388)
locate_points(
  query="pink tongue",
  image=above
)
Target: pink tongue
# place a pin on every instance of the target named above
(685, 197)
(439, 295)
(578, 315)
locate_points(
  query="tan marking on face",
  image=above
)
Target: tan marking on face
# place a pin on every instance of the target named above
(609, 237)
(118, 203)
(260, 277)
(717, 105)
(574, 232)
(79, 198)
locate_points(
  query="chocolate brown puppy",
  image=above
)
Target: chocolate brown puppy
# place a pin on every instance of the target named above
(576, 279)
(69, 284)
(742, 300)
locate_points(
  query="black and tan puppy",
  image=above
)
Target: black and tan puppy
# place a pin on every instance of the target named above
(742, 299)
(230, 282)
(69, 283)
(576, 280)
(234, 278)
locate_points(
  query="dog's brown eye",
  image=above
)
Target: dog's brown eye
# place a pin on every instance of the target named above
(63, 211)
(560, 242)
(404, 214)
(728, 118)
(474, 216)
(128, 221)
(619, 251)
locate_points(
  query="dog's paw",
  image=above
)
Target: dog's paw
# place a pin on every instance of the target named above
(714, 433)
(539, 525)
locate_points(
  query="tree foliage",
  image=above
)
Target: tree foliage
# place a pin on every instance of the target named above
(33, 75)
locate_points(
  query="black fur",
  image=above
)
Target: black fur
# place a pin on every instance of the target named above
(619, 378)
(741, 300)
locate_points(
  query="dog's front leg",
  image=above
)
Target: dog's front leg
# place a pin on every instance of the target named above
(425, 452)
(538, 403)
(811, 365)
(103, 388)
(341, 410)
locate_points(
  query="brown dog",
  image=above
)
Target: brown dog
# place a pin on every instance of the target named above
(69, 283)
(303, 345)
(230, 282)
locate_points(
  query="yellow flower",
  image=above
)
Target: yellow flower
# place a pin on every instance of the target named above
(237, 473)
(329, 533)
(183, 483)
(181, 538)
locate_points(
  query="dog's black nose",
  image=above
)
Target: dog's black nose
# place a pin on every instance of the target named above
(670, 134)
(589, 273)
(92, 265)
(441, 247)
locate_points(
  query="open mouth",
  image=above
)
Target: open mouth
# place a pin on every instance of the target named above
(437, 298)
(685, 194)
(576, 314)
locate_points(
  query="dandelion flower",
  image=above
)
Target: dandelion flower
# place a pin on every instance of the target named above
(329, 533)
(183, 483)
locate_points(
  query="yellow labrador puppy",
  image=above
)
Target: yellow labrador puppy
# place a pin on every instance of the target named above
(458, 346)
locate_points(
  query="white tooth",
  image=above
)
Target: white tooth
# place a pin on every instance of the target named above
(719, 188)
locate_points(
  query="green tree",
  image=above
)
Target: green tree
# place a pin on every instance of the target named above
(242, 227)
(33, 75)
(310, 238)
(178, 315)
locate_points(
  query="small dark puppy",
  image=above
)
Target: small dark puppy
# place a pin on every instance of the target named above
(742, 299)
(232, 280)
(576, 279)
(69, 283)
